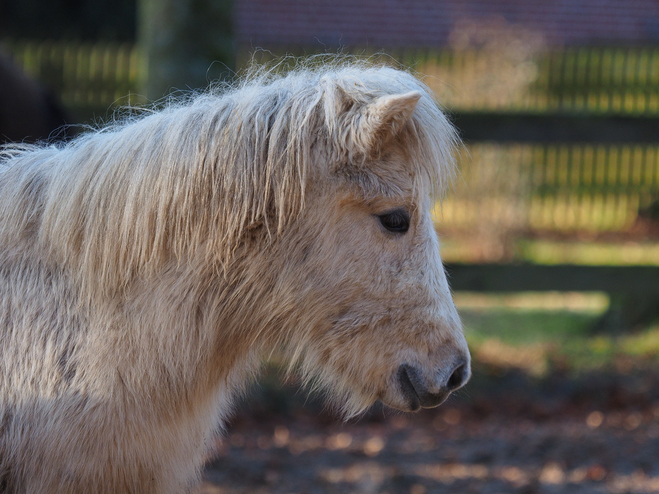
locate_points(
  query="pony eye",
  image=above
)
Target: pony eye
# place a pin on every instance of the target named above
(397, 221)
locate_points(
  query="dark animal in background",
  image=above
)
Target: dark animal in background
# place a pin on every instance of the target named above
(28, 112)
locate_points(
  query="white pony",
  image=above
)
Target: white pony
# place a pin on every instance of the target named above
(146, 269)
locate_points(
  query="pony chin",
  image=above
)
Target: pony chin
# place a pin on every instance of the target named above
(346, 400)
(340, 392)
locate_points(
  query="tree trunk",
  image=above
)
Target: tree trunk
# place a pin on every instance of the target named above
(185, 44)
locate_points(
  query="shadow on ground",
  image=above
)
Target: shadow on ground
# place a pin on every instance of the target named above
(507, 432)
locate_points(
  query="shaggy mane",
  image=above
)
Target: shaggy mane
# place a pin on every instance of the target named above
(201, 173)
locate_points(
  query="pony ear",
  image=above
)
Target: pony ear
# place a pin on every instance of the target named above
(386, 117)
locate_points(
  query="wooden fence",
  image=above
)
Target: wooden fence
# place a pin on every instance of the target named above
(596, 80)
(600, 80)
(559, 187)
(84, 76)
(512, 187)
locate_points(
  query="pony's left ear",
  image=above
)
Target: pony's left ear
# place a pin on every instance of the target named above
(386, 117)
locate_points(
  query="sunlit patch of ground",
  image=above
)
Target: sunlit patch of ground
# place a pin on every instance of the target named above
(578, 252)
(577, 302)
(591, 253)
(542, 332)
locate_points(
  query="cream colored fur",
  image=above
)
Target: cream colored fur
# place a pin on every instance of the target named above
(147, 268)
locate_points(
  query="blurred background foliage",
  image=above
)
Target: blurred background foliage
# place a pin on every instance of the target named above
(521, 197)
(559, 176)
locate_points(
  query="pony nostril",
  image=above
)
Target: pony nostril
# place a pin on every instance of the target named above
(458, 378)
(405, 375)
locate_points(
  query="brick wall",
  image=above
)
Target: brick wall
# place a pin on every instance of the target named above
(425, 23)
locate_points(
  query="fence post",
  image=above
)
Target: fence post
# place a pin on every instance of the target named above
(185, 44)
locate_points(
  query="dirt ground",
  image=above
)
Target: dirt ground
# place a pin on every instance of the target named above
(597, 433)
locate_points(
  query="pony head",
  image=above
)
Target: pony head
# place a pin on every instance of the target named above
(365, 306)
(297, 206)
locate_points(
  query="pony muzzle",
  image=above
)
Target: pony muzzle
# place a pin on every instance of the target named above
(428, 393)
